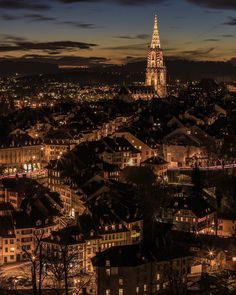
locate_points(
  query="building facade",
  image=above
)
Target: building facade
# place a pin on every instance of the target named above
(133, 269)
(156, 70)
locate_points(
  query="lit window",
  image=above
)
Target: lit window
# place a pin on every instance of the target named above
(108, 272)
(121, 282)
(114, 270)
(121, 291)
(137, 290)
(144, 287)
(158, 287)
(158, 277)
(108, 291)
(108, 263)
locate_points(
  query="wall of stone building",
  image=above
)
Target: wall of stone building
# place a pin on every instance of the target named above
(149, 278)
(177, 155)
(226, 228)
(146, 151)
(26, 157)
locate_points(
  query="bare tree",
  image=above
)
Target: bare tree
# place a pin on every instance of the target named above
(176, 283)
(37, 261)
(65, 268)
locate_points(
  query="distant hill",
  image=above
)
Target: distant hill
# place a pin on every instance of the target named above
(26, 67)
(190, 70)
(131, 72)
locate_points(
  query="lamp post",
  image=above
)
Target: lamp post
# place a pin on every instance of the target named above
(41, 156)
(33, 162)
(211, 257)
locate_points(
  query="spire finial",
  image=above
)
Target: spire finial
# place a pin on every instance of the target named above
(155, 37)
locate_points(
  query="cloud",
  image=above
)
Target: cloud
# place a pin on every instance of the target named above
(23, 4)
(45, 46)
(216, 4)
(212, 11)
(8, 17)
(38, 17)
(227, 36)
(34, 17)
(131, 59)
(73, 61)
(141, 36)
(80, 25)
(122, 2)
(230, 22)
(211, 40)
(130, 47)
(196, 54)
(6, 38)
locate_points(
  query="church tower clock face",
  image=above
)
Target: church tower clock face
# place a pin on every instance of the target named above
(156, 70)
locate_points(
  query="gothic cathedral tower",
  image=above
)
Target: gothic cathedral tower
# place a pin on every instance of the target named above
(156, 70)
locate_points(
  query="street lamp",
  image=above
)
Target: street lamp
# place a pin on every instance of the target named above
(211, 257)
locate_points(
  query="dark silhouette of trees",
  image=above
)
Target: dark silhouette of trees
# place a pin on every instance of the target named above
(65, 269)
(37, 261)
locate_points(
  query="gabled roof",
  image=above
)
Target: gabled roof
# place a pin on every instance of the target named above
(155, 160)
(138, 254)
(117, 144)
(22, 220)
(197, 205)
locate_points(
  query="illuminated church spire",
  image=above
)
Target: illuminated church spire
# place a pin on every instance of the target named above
(156, 70)
(155, 37)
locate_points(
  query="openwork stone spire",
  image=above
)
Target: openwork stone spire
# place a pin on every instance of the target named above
(156, 70)
(155, 37)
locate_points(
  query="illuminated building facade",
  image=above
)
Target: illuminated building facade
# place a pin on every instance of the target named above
(21, 158)
(156, 70)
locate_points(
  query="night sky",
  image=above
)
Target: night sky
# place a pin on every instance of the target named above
(80, 32)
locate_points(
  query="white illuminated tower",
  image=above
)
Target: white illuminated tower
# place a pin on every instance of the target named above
(156, 70)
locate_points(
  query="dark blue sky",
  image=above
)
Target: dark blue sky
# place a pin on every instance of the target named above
(111, 30)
